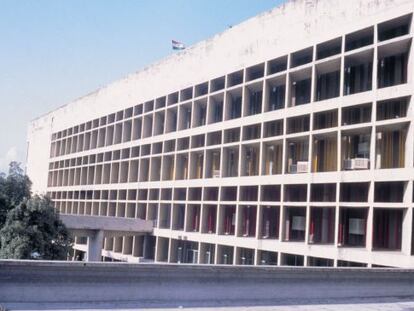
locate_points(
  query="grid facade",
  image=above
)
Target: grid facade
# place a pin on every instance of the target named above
(303, 159)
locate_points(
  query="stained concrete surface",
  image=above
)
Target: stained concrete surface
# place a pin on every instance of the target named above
(43, 285)
(398, 306)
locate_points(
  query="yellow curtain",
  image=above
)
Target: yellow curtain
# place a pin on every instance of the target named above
(315, 160)
(402, 134)
(331, 155)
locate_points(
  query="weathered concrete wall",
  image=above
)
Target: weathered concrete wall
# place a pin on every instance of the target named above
(274, 33)
(45, 285)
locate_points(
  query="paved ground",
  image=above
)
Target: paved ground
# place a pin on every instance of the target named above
(398, 306)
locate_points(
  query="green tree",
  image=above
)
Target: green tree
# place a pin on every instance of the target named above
(14, 187)
(33, 231)
(29, 226)
(4, 209)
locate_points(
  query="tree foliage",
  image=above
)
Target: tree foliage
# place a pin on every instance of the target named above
(4, 209)
(14, 188)
(16, 185)
(33, 231)
(29, 226)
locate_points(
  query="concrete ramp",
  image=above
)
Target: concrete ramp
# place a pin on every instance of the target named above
(96, 228)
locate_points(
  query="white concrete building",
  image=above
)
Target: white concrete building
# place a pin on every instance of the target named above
(287, 139)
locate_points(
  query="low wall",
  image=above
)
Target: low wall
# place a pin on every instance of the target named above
(66, 285)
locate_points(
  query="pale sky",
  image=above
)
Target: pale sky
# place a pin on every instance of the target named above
(52, 52)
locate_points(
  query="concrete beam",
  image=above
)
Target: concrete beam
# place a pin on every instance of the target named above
(109, 224)
(107, 234)
(72, 285)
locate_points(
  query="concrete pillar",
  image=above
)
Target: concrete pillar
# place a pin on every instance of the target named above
(370, 229)
(145, 246)
(75, 254)
(308, 212)
(406, 231)
(370, 217)
(95, 242)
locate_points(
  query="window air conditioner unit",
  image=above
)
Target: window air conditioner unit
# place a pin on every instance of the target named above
(361, 163)
(357, 226)
(356, 164)
(299, 167)
(302, 167)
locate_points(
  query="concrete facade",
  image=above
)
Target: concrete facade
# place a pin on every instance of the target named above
(285, 140)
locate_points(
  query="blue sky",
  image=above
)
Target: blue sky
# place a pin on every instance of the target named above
(52, 52)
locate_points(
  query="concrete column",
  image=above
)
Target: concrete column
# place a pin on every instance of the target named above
(406, 232)
(409, 156)
(369, 236)
(75, 254)
(342, 74)
(256, 257)
(337, 212)
(308, 212)
(375, 63)
(95, 243)
(369, 229)
(144, 246)
(169, 250)
(157, 241)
